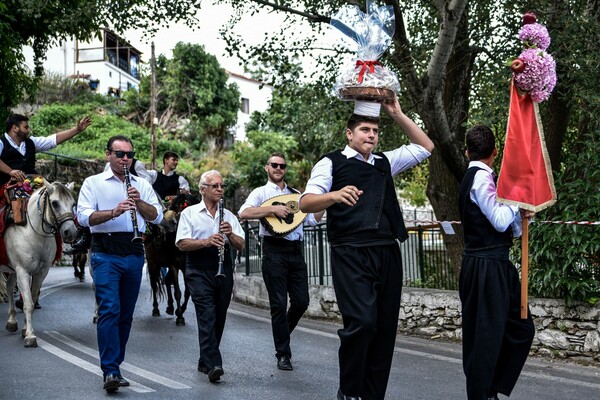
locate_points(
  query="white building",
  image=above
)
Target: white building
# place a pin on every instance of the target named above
(112, 66)
(109, 63)
(255, 96)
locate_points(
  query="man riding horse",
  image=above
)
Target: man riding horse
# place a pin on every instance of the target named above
(17, 160)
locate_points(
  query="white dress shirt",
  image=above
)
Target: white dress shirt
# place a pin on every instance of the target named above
(196, 222)
(401, 159)
(43, 143)
(483, 194)
(105, 191)
(264, 193)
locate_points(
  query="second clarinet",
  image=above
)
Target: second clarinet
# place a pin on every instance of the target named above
(220, 273)
(137, 238)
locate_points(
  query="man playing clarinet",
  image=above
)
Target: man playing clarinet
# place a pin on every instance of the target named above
(116, 206)
(207, 233)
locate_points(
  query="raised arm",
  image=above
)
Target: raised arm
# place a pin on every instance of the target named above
(69, 133)
(413, 131)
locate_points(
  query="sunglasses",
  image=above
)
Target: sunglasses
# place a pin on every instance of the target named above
(121, 153)
(274, 165)
(215, 186)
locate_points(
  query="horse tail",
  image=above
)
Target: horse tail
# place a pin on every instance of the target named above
(157, 283)
(3, 294)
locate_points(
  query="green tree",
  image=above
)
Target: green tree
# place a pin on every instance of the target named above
(41, 23)
(194, 101)
(450, 57)
(196, 88)
(251, 156)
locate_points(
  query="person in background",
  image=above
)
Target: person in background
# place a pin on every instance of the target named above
(137, 168)
(364, 222)
(496, 341)
(107, 204)
(283, 267)
(167, 182)
(202, 234)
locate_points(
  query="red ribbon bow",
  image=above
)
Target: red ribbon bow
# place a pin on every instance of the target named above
(364, 65)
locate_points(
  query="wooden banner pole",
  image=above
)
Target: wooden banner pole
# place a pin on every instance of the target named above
(524, 268)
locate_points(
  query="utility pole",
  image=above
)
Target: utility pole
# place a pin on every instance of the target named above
(153, 118)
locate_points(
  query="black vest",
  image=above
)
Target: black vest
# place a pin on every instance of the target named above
(132, 170)
(480, 234)
(208, 258)
(16, 160)
(376, 215)
(166, 185)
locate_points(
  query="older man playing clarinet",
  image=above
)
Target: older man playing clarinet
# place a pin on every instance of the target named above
(206, 231)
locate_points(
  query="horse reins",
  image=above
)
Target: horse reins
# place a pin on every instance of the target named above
(58, 221)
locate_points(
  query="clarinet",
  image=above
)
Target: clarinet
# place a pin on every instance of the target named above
(137, 238)
(220, 273)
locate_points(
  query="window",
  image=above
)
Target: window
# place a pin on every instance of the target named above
(245, 105)
(84, 55)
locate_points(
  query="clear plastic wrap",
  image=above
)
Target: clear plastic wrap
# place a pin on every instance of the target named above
(370, 35)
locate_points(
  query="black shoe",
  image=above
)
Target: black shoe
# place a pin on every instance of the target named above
(111, 383)
(37, 306)
(342, 396)
(203, 368)
(214, 375)
(19, 304)
(122, 381)
(284, 363)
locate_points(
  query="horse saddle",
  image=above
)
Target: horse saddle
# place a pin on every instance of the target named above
(16, 210)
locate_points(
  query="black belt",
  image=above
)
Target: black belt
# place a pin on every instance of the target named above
(275, 244)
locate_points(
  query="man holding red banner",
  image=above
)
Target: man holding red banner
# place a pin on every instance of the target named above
(496, 341)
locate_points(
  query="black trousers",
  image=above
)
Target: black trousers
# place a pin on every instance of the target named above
(211, 297)
(496, 341)
(368, 287)
(284, 272)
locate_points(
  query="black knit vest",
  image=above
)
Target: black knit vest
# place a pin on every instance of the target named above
(16, 160)
(480, 234)
(166, 185)
(376, 213)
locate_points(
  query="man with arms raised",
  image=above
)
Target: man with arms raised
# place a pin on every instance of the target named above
(364, 222)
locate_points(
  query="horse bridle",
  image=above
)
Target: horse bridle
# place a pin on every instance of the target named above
(58, 220)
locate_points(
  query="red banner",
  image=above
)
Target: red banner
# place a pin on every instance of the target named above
(526, 175)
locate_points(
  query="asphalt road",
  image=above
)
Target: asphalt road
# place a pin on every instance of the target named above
(161, 358)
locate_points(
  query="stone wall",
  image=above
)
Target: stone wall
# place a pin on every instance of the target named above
(562, 332)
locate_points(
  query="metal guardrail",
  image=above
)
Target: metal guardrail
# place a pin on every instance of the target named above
(425, 262)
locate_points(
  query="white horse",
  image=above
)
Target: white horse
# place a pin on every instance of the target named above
(31, 249)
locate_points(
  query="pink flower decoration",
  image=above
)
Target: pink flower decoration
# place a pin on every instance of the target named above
(539, 75)
(535, 35)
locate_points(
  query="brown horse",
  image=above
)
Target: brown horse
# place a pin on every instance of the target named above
(162, 252)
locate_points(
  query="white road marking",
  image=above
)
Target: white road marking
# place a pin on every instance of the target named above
(124, 366)
(453, 360)
(94, 369)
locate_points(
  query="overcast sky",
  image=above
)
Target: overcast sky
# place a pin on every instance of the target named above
(212, 18)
